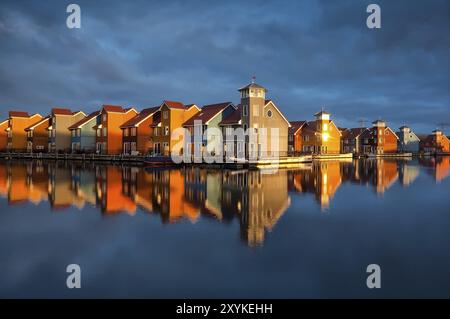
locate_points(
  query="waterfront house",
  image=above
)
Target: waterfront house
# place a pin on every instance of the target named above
(233, 143)
(137, 132)
(209, 116)
(408, 141)
(437, 142)
(379, 139)
(83, 134)
(351, 140)
(108, 133)
(16, 135)
(265, 124)
(173, 115)
(321, 136)
(37, 136)
(295, 137)
(3, 135)
(59, 135)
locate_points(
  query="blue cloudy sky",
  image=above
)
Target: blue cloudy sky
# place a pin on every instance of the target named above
(309, 54)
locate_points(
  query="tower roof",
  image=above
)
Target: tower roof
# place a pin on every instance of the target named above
(252, 85)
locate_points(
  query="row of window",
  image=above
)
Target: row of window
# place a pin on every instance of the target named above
(255, 111)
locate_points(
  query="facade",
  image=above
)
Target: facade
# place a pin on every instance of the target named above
(83, 134)
(108, 133)
(37, 136)
(295, 137)
(59, 135)
(3, 135)
(379, 139)
(173, 115)
(266, 126)
(210, 116)
(321, 136)
(16, 135)
(351, 140)
(408, 142)
(436, 143)
(137, 132)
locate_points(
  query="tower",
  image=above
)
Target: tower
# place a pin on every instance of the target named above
(323, 124)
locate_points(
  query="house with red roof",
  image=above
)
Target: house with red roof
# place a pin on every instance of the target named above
(379, 139)
(15, 131)
(37, 136)
(173, 115)
(108, 137)
(137, 132)
(3, 135)
(210, 116)
(295, 137)
(59, 135)
(435, 143)
(351, 140)
(83, 134)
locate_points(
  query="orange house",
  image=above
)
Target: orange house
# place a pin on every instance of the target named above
(436, 143)
(37, 136)
(108, 138)
(379, 139)
(173, 115)
(137, 132)
(321, 136)
(295, 136)
(3, 135)
(16, 135)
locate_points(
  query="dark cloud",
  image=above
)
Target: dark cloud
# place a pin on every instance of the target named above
(308, 54)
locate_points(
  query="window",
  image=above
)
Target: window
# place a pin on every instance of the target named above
(245, 127)
(156, 131)
(325, 127)
(125, 132)
(105, 131)
(104, 117)
(387, 132)
(245, 110)
(74, 133)
(133, 146)
(99, 132)
(381, 132)
(79, 132)
(133, 131)
(306, 138)
(269, 113)
(255, 110)
(318, 138)
(291, 137)
(166, 130)
(165, 115)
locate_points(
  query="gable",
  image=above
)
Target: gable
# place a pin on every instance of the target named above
(274, 107)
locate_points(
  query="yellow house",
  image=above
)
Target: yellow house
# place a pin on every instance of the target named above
(173, 115)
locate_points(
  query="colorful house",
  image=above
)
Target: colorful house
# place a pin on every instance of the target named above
(321, 136)
(16, 135)
(83, 134)
(295, 137)
(436, 143)
(37, 136)
(137, 132)
(59, 135)
(3, 135)
(408, 141)
(173, 115)
(351, 140)
(210, 116)
(379, 139)
(108, 133)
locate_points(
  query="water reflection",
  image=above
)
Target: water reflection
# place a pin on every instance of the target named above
(254, 199)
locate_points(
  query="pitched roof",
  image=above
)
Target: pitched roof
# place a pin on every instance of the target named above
(143, 115)
(281, 113)
(61, 111)
(18, 114)
(174, 104)
(234, 117)
(113, 108)
(80, 123)
(33, 126)
(252, 85)
(295, 126)
(312, 126)
(207, 112)
(156, 119)
(353, 132)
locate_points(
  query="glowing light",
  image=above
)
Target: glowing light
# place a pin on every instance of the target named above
(325, 136)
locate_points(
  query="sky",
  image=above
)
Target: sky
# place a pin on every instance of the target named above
(308, 54)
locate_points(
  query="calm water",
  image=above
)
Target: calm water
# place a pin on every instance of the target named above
(309, 232)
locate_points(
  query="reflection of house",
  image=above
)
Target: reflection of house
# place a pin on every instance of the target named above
(3, 135)
(379, 139)
(83, 133)
(17, 181)
(59, 135)
(436, 143)
(60, 188)
(408, 173)
(3, 179)
(110, 191)
(386, 174)
(108, 133)
(351, 140)
(442, 168)
(295, 136)
(173, 115)
(16, 135)
(37, 136)
(321, 136)
(137, 131)
(408, 142)
(83, 183)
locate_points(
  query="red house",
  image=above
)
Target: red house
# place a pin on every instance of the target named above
(379, 139)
